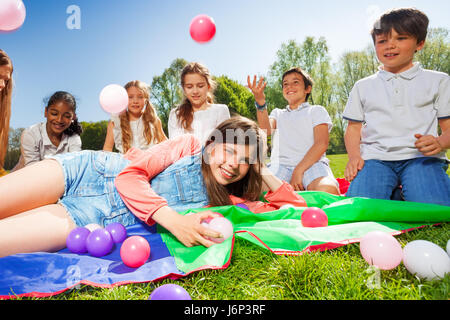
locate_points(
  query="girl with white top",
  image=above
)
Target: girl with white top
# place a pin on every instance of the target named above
(138, 126)
(58, 135)
(197, 114)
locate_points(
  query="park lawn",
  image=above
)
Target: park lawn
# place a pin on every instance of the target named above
(256, 274)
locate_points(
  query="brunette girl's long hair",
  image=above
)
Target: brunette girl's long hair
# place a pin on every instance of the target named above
(184, 111)
(153, 131)
(236, 130)
(5, 108)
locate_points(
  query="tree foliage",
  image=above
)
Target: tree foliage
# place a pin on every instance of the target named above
(166, 90)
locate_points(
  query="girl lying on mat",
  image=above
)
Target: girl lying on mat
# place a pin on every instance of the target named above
(45, 201)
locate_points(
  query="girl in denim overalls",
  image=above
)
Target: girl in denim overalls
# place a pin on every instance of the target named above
(42, 203)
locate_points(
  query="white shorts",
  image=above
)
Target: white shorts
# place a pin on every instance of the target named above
(317, 170)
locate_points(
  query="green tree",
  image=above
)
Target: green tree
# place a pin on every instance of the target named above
(435, 55)
(13, 153)
(237, 97)
(351, 67)
(93, 135)
(166, 90)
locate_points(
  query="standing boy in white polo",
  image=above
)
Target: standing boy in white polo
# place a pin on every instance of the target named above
(300, 134)
(392, 135)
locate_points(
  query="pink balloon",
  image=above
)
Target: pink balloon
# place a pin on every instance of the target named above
(202, 28)
(313, 217)
(381, 249)
(114, 98)
(135, 251)
(12, 15)
(219, 224)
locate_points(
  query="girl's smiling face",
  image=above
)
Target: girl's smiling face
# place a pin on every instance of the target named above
(229, 162)
(59, 117)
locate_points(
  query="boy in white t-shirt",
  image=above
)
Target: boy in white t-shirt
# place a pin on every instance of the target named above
(300, 134)
(392, 135)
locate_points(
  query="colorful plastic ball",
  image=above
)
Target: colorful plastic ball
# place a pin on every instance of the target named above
(313, 217)
(426, 260)
(243, 206)
(117, 231)
(99, 243)
(113, 98)
(448, 247)
(135, 251)
(12, 15)
(76, 240)
(170, 292)
(381, 249)
(202, 28)
(219, 224)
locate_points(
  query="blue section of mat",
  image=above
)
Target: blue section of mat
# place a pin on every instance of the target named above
(44, 274)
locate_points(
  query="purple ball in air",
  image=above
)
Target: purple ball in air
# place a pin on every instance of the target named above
(117, 231)
(76, 240)
(170, 292)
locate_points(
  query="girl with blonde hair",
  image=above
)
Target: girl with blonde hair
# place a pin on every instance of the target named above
(139, 126)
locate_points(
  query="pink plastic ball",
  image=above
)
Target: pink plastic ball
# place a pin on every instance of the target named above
(219, 224)
(135, 251)
(381, 249)
(313, 217)
(12, 15)
(113, 98)
(202, 28)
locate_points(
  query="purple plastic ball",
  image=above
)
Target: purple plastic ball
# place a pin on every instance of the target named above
(76, 240)
(242, 205)
(99, 243)
(170, 292)
(117, 231)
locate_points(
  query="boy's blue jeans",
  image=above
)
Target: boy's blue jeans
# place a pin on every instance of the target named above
(422, 180)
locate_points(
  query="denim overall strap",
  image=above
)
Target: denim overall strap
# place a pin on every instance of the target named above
(182, 185)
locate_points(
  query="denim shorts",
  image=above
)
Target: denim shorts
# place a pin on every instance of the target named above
(90, 195)
(422, 179)
(317, 170)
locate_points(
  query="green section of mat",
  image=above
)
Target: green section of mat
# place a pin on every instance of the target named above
(281, 231)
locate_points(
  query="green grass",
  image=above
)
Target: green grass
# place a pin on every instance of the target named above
(255, 273)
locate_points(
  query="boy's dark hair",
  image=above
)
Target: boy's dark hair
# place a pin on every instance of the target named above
(404, 21)
(306, 78)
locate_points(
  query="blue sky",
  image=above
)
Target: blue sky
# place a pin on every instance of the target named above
(123, 40)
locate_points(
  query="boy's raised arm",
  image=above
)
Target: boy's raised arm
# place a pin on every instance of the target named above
(262, 116)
